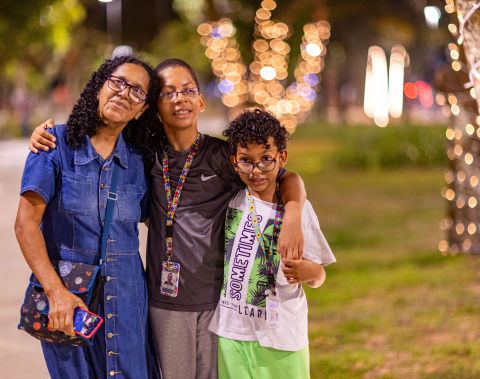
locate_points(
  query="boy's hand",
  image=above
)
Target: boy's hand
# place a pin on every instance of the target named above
(303, 271)
(40, 139)
(290, 241)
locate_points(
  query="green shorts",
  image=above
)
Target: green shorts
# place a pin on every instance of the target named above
(249, 360)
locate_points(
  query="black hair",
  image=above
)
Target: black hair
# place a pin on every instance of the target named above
(255, 126)
(142, 133)
(174, 62)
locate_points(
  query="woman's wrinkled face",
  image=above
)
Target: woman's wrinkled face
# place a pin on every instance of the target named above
(117, 108)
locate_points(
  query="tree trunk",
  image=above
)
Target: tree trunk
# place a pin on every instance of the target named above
(463, 148)
(471, 39)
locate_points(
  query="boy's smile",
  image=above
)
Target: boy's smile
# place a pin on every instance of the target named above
(181, 112)
(261, 184)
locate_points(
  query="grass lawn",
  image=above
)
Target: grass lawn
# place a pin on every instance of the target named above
(392, 306)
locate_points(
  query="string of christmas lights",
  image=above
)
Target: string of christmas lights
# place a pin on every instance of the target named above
(263, 83)
(463, 149)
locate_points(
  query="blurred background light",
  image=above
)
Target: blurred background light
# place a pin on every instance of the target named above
(226, 86)
(268, 73)
(376, 86)
(432, 16)
(396, 75)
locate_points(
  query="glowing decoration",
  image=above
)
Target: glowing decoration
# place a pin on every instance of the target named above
(452, 28)
(384, 97)
(443, 246)
(310, 79)
(468, 158)
(376, 86)
(470, 129)
(450, 195)
(313, 49)
(425, 94)
(432, 16)
(218, 33)
(268, 73)
(410, 90)
(226, 86)
(263, 82)
(396, 74)
(450, 134)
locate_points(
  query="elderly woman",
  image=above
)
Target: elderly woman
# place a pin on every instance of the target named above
(62, 210)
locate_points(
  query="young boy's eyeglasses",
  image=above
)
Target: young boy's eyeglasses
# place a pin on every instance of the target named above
(134, 93)
(264, 166)
(170, 96)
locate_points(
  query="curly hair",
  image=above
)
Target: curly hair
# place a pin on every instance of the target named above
(142, 133)
(255, 127)
(174, 62)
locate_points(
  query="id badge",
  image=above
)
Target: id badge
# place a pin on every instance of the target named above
(273, 311)
(170, 275)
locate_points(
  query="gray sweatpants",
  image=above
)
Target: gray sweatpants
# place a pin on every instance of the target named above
(185, 346)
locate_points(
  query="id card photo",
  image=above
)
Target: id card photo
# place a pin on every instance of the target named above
(170, 272)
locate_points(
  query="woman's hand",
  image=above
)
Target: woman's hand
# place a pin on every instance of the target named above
(303, 271)
(62, 304)
(41, 139)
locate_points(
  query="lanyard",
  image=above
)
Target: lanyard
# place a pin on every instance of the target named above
(276, 231)
(172, 204)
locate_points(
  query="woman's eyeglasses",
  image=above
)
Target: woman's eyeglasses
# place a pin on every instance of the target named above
(134, 93)
(187, 93)
(264, 166)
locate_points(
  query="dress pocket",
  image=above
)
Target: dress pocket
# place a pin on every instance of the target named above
(76, 194)
(129, 198)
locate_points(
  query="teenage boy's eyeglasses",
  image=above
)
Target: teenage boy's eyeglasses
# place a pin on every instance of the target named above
(189, 93)
(134, 93)
(263, 166)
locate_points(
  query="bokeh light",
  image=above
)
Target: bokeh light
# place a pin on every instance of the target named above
(265, 84)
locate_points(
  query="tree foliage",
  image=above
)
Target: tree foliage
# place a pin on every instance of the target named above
(35, 33)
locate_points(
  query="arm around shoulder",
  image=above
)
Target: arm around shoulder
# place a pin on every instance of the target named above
(291, 241)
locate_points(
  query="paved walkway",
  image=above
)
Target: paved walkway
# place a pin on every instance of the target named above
(20, 355)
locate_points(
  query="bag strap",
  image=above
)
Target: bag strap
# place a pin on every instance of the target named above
(111, 199)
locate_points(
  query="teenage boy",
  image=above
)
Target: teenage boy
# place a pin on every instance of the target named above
(261, 319)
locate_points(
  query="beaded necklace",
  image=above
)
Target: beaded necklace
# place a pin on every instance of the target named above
(172, 203)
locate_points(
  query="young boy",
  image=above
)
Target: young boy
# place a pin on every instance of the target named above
(261, 319)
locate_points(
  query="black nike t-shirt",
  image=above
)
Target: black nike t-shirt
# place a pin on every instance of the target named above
(198, 227)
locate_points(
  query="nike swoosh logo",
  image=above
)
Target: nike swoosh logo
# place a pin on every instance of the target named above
(205, 178)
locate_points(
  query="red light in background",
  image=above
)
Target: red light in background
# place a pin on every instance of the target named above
(410, 90)
(425, 93)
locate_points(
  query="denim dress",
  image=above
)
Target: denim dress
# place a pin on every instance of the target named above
(75, 184)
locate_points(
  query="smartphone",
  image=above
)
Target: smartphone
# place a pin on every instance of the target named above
(86, 323)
